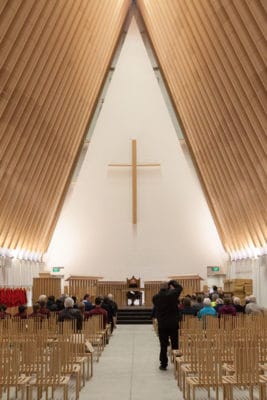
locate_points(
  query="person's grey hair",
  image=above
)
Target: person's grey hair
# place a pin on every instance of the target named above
(69, 302)
(214, 296)
(219, 301)
(110, 296)
(206, 302)
(236, 300)
(42, 297)
(252, 298)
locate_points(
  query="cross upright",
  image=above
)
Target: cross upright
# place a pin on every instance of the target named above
(134, 166)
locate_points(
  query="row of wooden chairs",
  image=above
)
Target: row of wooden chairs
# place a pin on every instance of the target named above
(222, 358)
(37, 357)
(225, 322)
(41, 365)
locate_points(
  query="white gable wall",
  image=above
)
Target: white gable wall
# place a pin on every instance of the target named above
(175, 233)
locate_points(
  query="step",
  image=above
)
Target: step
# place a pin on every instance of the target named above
(135, 322)
(147, 315)
(134, 315)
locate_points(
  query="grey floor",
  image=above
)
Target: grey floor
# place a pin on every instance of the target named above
(128, 369)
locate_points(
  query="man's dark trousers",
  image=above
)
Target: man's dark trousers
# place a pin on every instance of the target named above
(164, 335)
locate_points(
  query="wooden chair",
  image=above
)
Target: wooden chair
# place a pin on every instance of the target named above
(246, 369)
(263, 350)
(69, 365)
(189, 364)
(50, 371)
(134, 292)
(86, 354)
(97, 336)
(10, 376)
(209, 373)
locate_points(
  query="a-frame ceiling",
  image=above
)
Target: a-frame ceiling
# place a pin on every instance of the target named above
(213, 56)
(54, 57)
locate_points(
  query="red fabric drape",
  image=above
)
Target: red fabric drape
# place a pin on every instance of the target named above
(13, 297)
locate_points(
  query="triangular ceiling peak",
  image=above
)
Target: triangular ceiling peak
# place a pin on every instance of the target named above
(174, 232)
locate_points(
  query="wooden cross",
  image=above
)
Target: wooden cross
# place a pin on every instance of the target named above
(134, 166)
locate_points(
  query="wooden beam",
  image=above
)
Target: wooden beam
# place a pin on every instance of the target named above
(134, 182)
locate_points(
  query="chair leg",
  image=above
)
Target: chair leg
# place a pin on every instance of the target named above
(92, 366)
(260, 392)
(53, 391)
(78, 385)
(263, 392)
(39, 392)
(231, 389)
(251, 393)
(224, 394)
(178, 377)
(194, 392)
(65, 391)
(188, 392)
(217, 392)
(183, 383)
(28, 392)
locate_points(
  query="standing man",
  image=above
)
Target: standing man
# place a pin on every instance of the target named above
(166, 311)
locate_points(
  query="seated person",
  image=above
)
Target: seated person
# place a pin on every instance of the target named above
(237, 305)
(44, 310)
(86, 300)
(51, 303)
(252, 307)
(133, 294)
(187, 308)
(36, 312)
(207, 309)
(227, 308)
(71, 313)
(97, 310)
(22, 312)
(3, 313)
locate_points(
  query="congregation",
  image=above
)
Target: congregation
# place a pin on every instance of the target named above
(216, 303)
(67, 308)
(170, 312)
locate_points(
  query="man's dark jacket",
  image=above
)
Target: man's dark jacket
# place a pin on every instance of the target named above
(166, 306)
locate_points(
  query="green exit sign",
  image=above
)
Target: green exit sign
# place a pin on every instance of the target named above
(56, 269)
(214, 269)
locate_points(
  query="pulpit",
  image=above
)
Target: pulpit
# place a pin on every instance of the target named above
(134, 292)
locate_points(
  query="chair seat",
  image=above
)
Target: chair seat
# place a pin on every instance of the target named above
(263, 379)
(62, 380)
(187, 368)
(194, 380)
(231, 379)
(24, 380)
(177, 353)
(228, 368)
(20, 380)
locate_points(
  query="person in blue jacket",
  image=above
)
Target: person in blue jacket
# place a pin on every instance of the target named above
(207, 309)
